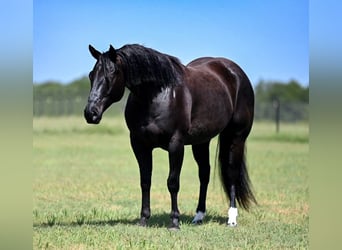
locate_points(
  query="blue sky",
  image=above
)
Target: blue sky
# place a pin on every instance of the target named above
(268, 39)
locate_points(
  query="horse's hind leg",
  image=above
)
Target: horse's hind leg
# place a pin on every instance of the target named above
(201, 155)
(234, 173)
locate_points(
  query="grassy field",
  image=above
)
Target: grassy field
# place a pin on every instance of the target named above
(86, 191)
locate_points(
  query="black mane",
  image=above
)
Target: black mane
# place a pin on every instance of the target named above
(149, 68)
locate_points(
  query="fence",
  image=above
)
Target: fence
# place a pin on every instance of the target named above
(63, 106)
(288, 111)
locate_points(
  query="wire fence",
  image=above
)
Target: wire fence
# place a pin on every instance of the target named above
(287, 111)
(60, 106)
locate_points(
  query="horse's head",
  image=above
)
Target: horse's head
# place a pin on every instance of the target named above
(107, 85)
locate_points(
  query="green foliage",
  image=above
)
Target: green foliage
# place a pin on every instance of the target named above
(55, 90)
(56, 99)
(86, 192)
(292, 98)
(53, 98)
(284, 92)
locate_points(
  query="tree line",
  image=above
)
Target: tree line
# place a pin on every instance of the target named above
(54, 98)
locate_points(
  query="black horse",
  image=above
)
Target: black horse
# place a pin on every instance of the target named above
(171, 105)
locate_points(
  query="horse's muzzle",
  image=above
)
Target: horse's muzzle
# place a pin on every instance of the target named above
(92, 115)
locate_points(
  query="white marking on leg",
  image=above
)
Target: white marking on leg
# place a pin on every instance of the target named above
(198, 217)
(232, 214)
(174, 94)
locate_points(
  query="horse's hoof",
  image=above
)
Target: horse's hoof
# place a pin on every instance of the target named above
(198, 220)
(142, 222)
(232, 224)
(174, 226)
(232, 214)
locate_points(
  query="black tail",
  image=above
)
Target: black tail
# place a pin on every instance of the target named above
(233, 171)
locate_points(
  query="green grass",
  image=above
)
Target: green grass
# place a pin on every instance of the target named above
(86, 191)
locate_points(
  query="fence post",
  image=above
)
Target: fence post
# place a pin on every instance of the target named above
(276, 106)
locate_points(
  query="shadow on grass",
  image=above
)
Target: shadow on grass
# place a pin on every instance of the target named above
(161, 220)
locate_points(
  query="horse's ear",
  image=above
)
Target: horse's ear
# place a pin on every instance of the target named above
(112, 53)
(95, 53)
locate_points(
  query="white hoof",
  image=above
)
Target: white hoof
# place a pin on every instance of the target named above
(198, 218)
(232, 214)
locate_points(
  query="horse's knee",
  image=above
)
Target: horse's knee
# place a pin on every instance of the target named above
(173, 184)
(204, 175)
(145, 187)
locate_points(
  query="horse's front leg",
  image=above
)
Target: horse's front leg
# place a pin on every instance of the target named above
(201, 155)
(176, 154)
(143, 155)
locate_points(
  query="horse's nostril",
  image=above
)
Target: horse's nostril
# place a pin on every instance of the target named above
(92, 114)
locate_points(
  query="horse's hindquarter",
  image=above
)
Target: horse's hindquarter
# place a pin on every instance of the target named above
(212, 98)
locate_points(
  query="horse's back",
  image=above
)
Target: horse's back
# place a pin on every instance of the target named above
(224, 68)
(228, 73)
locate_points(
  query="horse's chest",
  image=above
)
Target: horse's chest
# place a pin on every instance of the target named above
(152, 123)
(153, 133)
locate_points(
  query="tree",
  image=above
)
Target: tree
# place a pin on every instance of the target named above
(284, 92)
